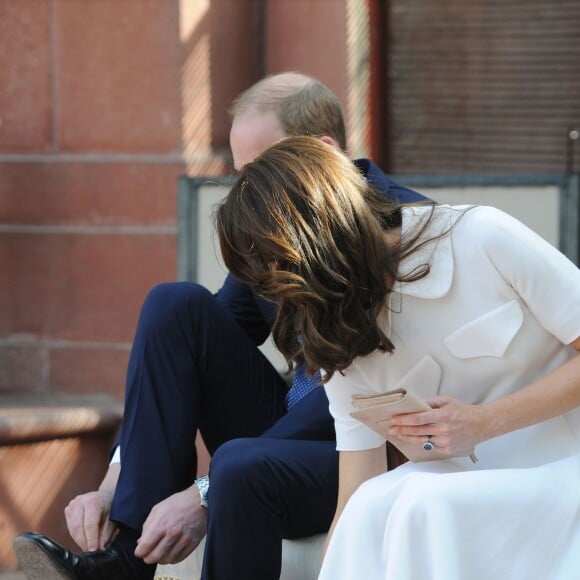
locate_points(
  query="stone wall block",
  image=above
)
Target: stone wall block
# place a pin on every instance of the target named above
(80, 287)
(118, 67)
(25, 77)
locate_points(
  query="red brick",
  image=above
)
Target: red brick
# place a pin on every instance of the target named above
(22, 368)
(84, 370)
(234, 60)
(25, 97)
(118, 66)
(80, 287)
(319, 54)
(89, 193)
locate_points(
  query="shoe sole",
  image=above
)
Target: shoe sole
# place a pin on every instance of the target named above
(36, 563)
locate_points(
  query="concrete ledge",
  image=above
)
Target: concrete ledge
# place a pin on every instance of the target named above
(301, 560)
(38, 417)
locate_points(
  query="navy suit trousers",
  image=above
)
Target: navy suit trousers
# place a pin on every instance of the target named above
(273, 473)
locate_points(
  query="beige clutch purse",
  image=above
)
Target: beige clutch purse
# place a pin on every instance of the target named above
(376, 412)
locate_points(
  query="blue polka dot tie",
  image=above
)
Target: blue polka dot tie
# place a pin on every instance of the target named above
(302, 384)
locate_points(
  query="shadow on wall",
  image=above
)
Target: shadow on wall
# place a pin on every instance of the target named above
(221, 46)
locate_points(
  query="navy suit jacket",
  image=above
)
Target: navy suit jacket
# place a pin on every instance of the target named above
(256, 315)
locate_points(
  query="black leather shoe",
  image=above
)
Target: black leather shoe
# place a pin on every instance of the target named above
(42, 559)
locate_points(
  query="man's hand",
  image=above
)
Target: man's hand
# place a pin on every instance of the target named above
(173, 529)
(87, 519)
(87, 515)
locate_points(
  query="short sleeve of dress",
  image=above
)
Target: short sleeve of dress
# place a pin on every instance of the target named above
(351, 434)
(546, 280)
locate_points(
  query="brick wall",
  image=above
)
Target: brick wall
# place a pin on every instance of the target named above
(102, 105)
(90, 144)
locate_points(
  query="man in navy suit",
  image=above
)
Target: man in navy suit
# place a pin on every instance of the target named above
(195, 365)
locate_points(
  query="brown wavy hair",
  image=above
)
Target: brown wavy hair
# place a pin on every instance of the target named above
(305, 229)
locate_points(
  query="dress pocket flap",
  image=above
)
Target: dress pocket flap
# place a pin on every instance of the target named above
(488, 335)
(423, 379)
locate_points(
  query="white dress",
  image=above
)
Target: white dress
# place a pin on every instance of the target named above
(496, 312)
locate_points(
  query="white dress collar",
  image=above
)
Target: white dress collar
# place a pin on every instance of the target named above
(438, 253)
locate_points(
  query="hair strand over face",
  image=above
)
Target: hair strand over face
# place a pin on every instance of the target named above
(305, 230)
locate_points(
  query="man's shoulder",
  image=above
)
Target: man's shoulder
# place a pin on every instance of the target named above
(385, 184)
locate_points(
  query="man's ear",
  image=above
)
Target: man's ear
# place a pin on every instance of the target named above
(329, 140)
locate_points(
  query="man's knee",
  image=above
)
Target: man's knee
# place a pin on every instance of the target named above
(174, 300)
(238, 458)
(237, 469)
(177, 294)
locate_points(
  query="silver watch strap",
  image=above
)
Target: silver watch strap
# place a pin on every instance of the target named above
(202, 484)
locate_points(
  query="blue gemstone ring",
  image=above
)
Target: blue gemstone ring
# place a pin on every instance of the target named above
(428, 445)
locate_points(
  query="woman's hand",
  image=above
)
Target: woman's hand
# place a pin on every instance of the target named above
(455, 427)
(452, 426)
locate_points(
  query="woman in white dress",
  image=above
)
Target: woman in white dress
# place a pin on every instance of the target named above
(466, 307)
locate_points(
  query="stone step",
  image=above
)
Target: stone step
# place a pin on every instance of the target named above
(52, 447)
(38, 417)
(12, 576)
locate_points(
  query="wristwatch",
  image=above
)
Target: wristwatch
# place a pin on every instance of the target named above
(202, 484)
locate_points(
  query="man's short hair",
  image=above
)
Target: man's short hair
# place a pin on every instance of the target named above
(302, 104)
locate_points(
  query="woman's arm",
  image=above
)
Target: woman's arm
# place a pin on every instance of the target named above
(355, 467)
(455, 426)
(551, 396)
